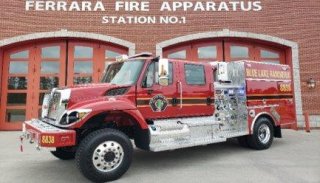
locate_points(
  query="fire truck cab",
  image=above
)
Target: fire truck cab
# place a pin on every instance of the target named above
(162, 104)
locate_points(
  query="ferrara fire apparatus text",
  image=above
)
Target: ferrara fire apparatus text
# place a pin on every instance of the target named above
(40, 5)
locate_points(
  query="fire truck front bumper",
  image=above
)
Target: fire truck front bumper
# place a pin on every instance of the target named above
(45, 135)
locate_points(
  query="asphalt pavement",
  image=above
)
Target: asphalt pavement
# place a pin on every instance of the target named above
(293, 159)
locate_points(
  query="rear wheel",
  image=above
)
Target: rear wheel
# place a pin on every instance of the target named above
(104, 155)
(64, 153)
(262, 136)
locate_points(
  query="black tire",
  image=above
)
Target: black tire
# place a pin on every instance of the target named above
(243, 141)
(64, 153)
(86, 155)
(264, 128)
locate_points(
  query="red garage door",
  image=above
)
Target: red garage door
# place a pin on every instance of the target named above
(31, 70)
(226, 50)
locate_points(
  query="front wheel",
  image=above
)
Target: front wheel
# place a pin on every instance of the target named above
(104, 155)
(262, 136)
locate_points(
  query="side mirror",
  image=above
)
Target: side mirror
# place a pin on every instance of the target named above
(163, 72)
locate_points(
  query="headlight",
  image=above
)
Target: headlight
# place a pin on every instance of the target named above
(74, 116)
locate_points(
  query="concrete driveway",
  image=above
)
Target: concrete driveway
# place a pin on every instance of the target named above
(294, 158)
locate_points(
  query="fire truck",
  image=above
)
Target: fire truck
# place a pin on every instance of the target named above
(162, 104)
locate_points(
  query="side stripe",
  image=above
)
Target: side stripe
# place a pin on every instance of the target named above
(173, 101)
(261, 97)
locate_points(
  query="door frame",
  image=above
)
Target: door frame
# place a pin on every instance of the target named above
(143, 95)
(38, 59)
(6, 62)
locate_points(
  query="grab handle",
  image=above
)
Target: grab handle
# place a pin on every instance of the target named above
(180, 91)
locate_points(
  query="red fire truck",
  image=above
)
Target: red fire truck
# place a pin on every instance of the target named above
(162, 104)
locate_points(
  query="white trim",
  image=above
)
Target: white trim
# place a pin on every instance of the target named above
(268, 80)
(227, 33)
(70, 34)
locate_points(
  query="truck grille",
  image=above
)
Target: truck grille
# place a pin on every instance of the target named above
(55, 108)
(54, 103)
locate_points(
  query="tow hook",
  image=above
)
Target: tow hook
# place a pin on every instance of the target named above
(21, 145)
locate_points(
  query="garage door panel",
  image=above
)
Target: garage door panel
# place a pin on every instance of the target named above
(32, 70)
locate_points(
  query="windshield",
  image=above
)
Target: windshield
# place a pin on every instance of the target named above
(123, 73)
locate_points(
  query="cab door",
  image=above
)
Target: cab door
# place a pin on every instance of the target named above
(196, 98)
(153, 100)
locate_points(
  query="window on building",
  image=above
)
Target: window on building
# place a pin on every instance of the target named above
(50, 67)
(50, 52)
(111, 54)
(239, 52)
(207, 52)
(21, 54)
(15, 115)
(83, 64)
(194, 74)
(83, 52)
(178, 55)
(18, 67)
(269, 56)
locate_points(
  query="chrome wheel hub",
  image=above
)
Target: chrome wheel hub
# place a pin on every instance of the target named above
(107, 156)
(264, 133)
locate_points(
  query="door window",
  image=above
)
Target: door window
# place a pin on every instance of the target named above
(17, 83)
(178, 55)
(82, 64)
(83, 67)
(18, 67)
(239, 52)
(150, 75)
(269, 56)
(111, 54)
(21, 54)
(15, 95)
(83, 52)
(16, 99)
(194, 74)
(170, 75)
(50, 52)
(15, 115)
(207, 52)
(50, 67)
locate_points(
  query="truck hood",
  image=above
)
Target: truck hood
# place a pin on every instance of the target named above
(88, 92)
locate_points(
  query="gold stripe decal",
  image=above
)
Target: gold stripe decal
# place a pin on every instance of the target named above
(142, 102)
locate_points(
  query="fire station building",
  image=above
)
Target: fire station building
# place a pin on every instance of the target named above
(40, 50)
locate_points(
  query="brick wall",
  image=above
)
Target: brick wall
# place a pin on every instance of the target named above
(294, 20)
